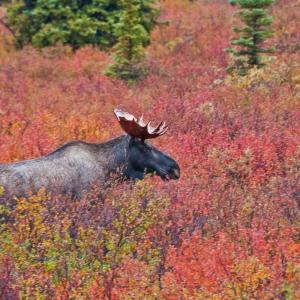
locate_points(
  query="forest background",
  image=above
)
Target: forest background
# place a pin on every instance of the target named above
(228, 229)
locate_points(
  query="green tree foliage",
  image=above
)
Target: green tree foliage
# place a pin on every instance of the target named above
(132, 37)
(249, 43)
(47, 22)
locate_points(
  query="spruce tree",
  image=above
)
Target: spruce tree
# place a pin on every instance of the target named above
(249, 44)
(132, 36)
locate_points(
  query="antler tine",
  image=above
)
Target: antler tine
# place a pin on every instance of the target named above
(159, 130)
(150, 129)
(160, 127)
(163, 129)
(141, 121)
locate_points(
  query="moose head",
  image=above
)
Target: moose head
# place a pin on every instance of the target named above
(142, 157)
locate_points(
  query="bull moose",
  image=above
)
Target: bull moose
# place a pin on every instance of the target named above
(72, 168)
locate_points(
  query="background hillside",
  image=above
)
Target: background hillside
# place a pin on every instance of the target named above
(228, 229)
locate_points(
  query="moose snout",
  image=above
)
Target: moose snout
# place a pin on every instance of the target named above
(175, 172)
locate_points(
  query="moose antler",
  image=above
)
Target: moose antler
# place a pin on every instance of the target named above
(137, 127)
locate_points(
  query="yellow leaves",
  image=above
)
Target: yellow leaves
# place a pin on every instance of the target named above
(207, 108)
(274, 73)
(1, 190)
(291, 288)
(86, 238)
(247, 209)
(296, 78)
(79, 127)
(293, 270)
(4, 214)
(249, 276)
(173, 43)
(29, 217)
(11, 127)
(6, 42)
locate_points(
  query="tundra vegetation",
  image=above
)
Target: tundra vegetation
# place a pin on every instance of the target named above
(124, 25)
(227, 229)
(249, 45)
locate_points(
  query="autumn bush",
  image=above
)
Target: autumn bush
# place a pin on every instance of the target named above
(228, 229)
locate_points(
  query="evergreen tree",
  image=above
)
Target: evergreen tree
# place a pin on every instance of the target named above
(132, 37)
(249, 43)
(74, 22)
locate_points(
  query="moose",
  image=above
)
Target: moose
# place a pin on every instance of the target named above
(72, 168)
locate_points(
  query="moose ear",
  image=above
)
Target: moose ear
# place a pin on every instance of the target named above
(137, 127)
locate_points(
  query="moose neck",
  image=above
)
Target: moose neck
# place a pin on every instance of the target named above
(114, 155)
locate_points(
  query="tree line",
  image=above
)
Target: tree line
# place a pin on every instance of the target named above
(125, 27)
